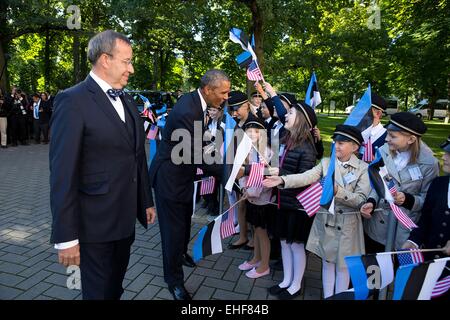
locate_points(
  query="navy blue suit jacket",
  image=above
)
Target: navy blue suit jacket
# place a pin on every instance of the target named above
(98, 171)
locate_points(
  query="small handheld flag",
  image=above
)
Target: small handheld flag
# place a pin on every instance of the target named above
(310, 198)
(313, 98)
(253, 72)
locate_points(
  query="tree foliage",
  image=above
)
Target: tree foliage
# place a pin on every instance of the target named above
(402, 49)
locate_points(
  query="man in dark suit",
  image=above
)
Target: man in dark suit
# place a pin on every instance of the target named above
(98, 170)
(173, 179)
(41, 117)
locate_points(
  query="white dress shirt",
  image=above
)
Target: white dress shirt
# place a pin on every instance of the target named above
(118, 106)
(373, 132)
(204, 105)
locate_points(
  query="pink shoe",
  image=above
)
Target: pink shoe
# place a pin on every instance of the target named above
(247, 266)
(252, 274)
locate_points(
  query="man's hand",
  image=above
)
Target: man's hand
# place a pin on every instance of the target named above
(366, 210)
(151, 215)
(272, 181)
(399, 198)
(69, 256)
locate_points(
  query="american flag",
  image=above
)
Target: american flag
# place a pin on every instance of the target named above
(253, 72)
(256, 176)
(310, 198)
(399, 214)
(410, 258)
(228, 219)
(441, 287)
(227, 226)
(402, 217)
(392, 187)
(368, 151)
(152, 132)
(207, 186)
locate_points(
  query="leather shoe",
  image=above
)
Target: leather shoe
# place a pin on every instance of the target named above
(285, 295)
(188, 261)
(237, 246)
(179, 292)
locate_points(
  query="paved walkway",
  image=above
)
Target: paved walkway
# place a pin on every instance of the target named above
(28, 263)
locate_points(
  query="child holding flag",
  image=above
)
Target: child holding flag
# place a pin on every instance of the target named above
(411, 165)
(334, 236)
(292, 223)
(258, 207)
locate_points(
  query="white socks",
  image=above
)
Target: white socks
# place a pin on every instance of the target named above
(332, 278)
(294, 264)
(299, 255)
(286, 255)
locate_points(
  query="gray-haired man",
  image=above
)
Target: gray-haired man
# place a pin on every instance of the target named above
(98, 170)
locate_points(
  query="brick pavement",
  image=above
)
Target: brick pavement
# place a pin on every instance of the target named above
(28, 263)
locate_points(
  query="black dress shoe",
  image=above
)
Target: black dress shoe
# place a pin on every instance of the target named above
(188, 261)
(285, 295)
(179, 292)
(276, 290)
(237, 246)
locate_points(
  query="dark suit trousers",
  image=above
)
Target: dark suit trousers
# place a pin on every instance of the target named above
(103, 266)
(175, 223)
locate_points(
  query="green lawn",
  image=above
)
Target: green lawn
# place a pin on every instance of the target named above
(436, 134)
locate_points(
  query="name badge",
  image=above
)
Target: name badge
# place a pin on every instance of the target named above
(349, 178)
(415, 173)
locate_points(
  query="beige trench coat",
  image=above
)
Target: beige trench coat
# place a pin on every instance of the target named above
(334, 237)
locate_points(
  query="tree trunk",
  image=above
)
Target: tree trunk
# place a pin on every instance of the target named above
(155, 71)
(76, 57)
(3, 69)
(257, 30)
(84, 70)
(161, 69)
(432, 104)
(47, 59)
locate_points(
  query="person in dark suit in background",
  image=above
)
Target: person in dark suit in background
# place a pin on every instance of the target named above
(173, 180)
(98, 170)
(41, 116)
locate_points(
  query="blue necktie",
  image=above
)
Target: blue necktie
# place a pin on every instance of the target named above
(114, 93)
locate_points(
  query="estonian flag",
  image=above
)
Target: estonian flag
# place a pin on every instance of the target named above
(245, 58)
(370, 272)
(417, 281)
(313, 98)
(208, 241)
(239, 37)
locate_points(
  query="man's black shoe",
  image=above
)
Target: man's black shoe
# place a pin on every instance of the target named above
(179, 292)
(188, 261)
